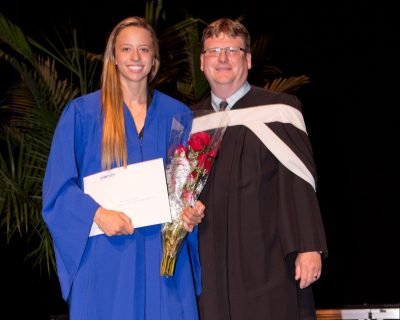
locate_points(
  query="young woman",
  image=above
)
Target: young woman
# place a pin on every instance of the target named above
(116, 275)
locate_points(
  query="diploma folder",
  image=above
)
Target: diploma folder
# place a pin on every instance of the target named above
(139, 190)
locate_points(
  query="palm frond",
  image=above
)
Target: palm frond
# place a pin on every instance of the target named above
(180, 60)
(13, 36)
(288, 85)
(20, 184)
(153, 12)
(83, 67)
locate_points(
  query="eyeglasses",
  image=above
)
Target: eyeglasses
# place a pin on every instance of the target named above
(229, 51)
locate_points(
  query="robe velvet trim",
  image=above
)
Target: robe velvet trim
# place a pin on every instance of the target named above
(255, 118)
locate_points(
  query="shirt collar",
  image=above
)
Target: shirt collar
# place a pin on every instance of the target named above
(231, 99)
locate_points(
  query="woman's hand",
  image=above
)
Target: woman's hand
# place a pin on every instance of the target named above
(113, 223)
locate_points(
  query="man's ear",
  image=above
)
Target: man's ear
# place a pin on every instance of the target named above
(248, 58)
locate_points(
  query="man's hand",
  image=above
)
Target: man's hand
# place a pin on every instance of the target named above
(193, 216)
(308, 266)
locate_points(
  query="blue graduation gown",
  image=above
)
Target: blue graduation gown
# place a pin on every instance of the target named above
(115, 277)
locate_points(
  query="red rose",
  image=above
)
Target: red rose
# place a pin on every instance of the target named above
(201, 160)
(180, 150)
(187, 196)
(209, 164)
(199, 141)
(195, 175)
(213, 152)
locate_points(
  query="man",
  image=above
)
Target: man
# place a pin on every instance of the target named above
(262, 238)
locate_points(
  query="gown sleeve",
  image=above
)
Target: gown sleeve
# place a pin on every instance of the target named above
(193, 245)
(67, 211)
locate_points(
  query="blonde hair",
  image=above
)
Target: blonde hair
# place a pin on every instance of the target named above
(114, 147)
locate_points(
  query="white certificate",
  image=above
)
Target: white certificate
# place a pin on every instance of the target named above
(140, 191)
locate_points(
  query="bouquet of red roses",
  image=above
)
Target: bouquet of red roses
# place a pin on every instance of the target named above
(188, 167)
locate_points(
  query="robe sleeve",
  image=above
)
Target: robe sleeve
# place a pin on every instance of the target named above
(301, 227)
(67, 211)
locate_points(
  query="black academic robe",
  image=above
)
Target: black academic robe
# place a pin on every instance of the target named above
(259, 214)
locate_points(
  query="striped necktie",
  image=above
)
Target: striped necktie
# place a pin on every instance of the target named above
(222, 105)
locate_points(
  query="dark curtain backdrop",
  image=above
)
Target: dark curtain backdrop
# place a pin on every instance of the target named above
(350, 51)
